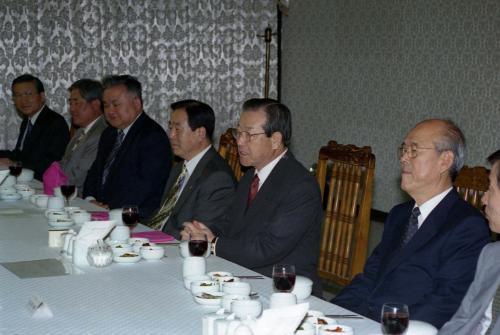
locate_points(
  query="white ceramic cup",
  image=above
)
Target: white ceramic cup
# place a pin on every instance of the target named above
(120, 233)
(236, 287)
(81, 217)
(116, 215)
(192, 266)
(26, 193)
(55, 203)
(246, 308)
(56, 239)
(302, 288)
(282, 299)
(229, 298)
(42, 200)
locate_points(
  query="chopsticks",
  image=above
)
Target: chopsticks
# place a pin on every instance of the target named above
(250, 277)
(344, 316)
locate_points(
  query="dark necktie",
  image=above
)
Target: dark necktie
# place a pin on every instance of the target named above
(412, 226)
(27, 132)
(254, 188)
(112, 156)
(495, 309)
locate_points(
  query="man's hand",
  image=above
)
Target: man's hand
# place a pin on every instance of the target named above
(196, 227)
(5, 162)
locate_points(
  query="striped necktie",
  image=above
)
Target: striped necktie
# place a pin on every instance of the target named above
(112, 156)
(158, 221)
(495, 310)
(412, 226)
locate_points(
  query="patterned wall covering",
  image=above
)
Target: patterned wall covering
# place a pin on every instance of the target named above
(203, 49)
(365, 71)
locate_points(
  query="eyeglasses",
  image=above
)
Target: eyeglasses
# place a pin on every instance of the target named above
(243, 135)
(411, 151)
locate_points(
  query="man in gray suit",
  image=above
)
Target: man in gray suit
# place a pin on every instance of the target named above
(474, 316)
(85, 107)
(202, 185)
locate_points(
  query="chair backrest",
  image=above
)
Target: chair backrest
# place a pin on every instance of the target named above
(471, 183)
(345, 175)
(228, 149)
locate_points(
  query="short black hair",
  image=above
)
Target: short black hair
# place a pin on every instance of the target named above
(89, 89)
(131, 83)
(28, 78)
(279, 118)
(492, 159)
(199, 115)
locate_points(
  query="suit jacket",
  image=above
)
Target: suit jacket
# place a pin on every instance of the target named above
(46, 143)
(140, 170)
(76, 163)
(481, 292)
(431, 273)
(282, 225)
(205, 197)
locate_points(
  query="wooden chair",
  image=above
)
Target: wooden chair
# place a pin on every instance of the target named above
(471, 183)
(228, 149)
(345, 174)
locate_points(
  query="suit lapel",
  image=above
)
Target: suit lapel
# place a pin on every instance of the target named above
(38, 127)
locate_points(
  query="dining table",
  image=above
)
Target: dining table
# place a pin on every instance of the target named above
(147, 297)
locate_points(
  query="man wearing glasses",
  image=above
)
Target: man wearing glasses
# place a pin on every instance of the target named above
(276, 212)
(430, 245)
(43, 135)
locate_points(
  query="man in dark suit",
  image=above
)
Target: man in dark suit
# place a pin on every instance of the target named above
(202, 185)
(475, 315)
(430, 245)
(43, 134)
(85, 107)
(133, 157)
(276, 213)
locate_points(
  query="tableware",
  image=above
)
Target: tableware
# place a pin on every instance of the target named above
(42, 201)
(303, 287)
(7, 189)
(10, 196)
(420, 328)
(344, 316)
(100, 255)
(58, 193)
(56, 239)
(189, 279)
(283, 277)
(127, 258)
(306, 329)
(246, 308)
(215, 275)
(210, 299)
(250, 277)
(193, 266)
(26, 175)
(33, 198)
(229, 298)
(116, 215)
(121, 248)
(136, 247)
(68, 239)
(120, 233)
(80, 252)
(242, 288)
(53, 214)
(68, 191)
(207, 286)
(55, 203)
(282, 299)
(81, 217)
(152, 253)
(394, 318)
(26, 193)
(15, 168)
(130, 216)
(71, 209)
(141, 240)
(198, 244)
(61, 223)
(320, 320)
(336, 329)
(20, 187)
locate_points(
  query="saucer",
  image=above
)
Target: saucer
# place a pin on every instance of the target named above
(216, 301)
(10, 196)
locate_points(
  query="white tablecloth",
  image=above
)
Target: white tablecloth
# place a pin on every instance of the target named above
(142, 298)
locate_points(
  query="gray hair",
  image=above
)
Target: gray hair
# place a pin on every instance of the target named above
(453, 140)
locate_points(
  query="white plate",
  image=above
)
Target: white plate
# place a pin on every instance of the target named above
(10, 196)
(209, 302)
(121, 259)
(314, 320)
(61, 223)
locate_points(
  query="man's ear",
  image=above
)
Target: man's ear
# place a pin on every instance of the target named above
(276, 140)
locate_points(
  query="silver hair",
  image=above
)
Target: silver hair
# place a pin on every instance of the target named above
(453, 140)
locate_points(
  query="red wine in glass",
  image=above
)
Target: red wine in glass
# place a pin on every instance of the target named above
(284, 282)
(130, 216)
(395, 319)
(67, 191)
(15, 170)
(198, 247)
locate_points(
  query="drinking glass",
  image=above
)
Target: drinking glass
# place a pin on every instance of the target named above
(394, 318)
(198, 244)
(284, 277)
(67, 191)
(130, 216)
(15, 168)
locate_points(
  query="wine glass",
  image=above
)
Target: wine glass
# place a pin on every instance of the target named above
(198, 244)
(395, 318)
(15, 168)
(68, 190)
(284, 277)
(130, 216)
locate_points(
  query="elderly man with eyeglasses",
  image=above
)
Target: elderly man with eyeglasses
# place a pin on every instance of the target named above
(276, 212)
(431, 244)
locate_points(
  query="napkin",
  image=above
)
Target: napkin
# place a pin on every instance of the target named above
(99, 215)
(53, 177)
(92, 231)
(155, 236)
(281, 321)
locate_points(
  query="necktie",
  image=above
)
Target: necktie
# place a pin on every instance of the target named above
(78, 140)
(112, 155)
(254, 188)
(27, 132)
(495, 310)
(161, 217)
(412, 226)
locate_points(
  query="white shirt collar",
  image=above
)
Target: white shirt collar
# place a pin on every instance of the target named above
(427, 207)
(193, 162)
(35, 116)
(89, 126)
(125, 130)
(266, 170)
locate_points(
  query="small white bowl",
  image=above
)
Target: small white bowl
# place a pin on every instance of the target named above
(320, 320)
(282, 299)
(127, 257)
(302, 288)
(26, 193)
(189, 279)
(152, 253)
(246, 308)
(81, 217)
(141, 240)
(53, 214)
(241, 288)
(229, 298)
(209, 302)
(42, 200)
(216, 275)
(10, 196)
(207, 286)
(121, 248)
(71, 209)
(336, 329)
(61, 223)
(26, 176)
(20, 187)
(137, 246)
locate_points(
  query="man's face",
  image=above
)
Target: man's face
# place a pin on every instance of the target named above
(27, 99)
(422, 175)
(491, 199)
(82, 112)
(121, 107)
(185, 142)
(257, 150)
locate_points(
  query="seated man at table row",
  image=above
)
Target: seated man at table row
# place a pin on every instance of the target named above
(133, 157)
(430, 245)
(276, 213)
(43, 134)
(475, 313)
(202, 185)
(85, 107)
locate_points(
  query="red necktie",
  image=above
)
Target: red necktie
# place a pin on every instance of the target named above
(254, 188)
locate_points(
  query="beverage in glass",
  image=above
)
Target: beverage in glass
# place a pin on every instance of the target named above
(284, 277)
(395, 318)
(198, 244)
(130, 216)
(67, 191)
